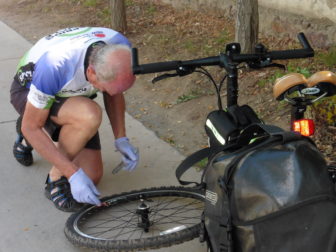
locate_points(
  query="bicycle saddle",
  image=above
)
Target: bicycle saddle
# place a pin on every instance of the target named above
(289, 83)
(320, 84)
(325, 81)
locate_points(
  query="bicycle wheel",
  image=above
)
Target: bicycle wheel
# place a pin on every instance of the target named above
(139, 220)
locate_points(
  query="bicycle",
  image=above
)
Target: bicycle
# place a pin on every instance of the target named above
(151, 211)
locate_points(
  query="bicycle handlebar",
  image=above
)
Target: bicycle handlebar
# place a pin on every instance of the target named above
(223, 59)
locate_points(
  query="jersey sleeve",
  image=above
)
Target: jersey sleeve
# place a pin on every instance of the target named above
(120, 39)
(45, 83)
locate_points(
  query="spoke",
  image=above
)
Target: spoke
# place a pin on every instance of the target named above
(116, 219)
(178, 210)
(121, 226)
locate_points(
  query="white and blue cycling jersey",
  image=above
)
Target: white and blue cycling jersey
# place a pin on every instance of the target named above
(57, 62)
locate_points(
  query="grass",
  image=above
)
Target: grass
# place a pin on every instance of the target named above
(327, 58)
(90, 3)
(305, 71)
(151, 10)
(326, 109)
(105, 14)
(291, 68)
(271, 79)
(201, 165)
(194, 94)
(190, 45)
(129, 3)
(185, 98)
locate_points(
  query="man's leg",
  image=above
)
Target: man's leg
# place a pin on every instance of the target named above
(91, 162)
(80, 118)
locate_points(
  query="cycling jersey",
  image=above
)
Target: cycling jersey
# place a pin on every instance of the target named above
(54, 66)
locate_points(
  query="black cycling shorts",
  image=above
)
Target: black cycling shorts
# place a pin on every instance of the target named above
(18, 98)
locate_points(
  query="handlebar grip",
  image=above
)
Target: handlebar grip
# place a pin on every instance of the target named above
(303, 40)
(291, 54)
(135, 59)
(156, 67)
(152, 67)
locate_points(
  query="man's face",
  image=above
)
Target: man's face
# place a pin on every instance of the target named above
(121, 83)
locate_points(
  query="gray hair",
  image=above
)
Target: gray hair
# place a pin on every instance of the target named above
(99, 58)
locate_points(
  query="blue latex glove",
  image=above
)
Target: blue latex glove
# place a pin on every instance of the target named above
(82, 188)
(130, 154)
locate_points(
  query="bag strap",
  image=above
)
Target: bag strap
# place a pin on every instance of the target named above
(189, 162)
(269, 131)
(196, 157)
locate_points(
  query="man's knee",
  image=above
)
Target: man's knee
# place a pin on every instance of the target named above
(81, 112)
(91, 115)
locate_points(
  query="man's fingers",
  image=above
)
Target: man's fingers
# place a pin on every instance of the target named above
(93, 200)
(94, 190)
(129, 164)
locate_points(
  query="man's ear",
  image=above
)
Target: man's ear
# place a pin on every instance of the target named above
(91, 73)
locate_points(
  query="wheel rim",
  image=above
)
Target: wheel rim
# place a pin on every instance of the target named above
(119, 219)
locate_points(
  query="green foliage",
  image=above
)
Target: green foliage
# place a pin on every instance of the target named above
(326, 109)
(151, 9)
(104, 14)
(297, 69)
(223, 38)
(186, 97)
(217, 43)
(190, 45)
(129, 3)
(282, 105)
(278, 74)
(202, 164)
(90, 3)
(327, 58)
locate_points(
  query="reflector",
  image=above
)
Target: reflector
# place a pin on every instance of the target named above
(305, 127)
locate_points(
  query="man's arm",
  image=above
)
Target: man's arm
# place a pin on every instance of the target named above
(32, 128)
(115, 109)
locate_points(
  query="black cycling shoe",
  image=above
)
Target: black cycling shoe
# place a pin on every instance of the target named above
(22, 153)
(61, 196)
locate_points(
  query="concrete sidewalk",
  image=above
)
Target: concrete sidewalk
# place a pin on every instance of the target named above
(28, 221)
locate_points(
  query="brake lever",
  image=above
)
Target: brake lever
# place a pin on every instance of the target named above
(163, 76)
(283, 67)
(181, 71)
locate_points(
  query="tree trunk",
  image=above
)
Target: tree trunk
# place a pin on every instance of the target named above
(118, 15)
(247, 24)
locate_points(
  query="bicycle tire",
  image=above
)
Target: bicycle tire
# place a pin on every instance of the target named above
(193, 197)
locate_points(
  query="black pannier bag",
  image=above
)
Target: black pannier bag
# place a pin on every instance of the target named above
(274, 195)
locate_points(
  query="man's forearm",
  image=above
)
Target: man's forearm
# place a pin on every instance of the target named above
(47, 149)
(115, 109)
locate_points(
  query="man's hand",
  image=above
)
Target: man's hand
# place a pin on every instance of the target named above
(82, 188)
(130, 154)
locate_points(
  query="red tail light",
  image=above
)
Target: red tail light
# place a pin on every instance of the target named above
(304, 126)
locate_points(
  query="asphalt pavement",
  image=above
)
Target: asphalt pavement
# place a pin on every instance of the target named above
(28, 221)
